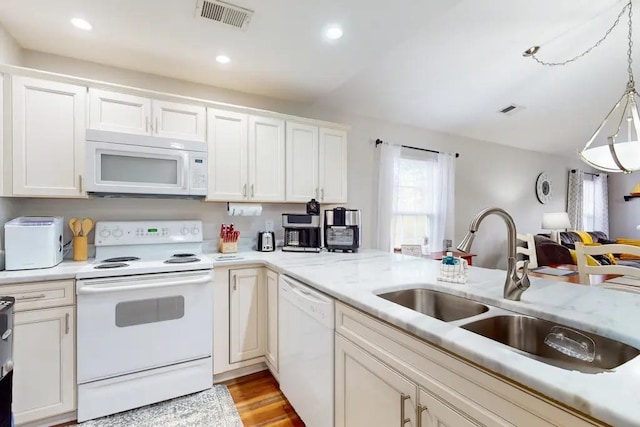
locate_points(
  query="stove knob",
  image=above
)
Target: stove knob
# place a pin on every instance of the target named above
(105, 233)
(184, 231)
(195, 231)
(117, 233)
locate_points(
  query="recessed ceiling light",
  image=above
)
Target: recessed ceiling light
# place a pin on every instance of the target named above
(223, 59)
(333, 32)
(81, 24)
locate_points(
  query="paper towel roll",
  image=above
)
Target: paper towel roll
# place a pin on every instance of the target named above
(244, 209)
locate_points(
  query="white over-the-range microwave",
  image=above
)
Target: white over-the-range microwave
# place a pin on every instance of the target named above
(126, 164)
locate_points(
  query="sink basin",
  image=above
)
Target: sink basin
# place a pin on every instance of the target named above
(436, 304)
(555, 344)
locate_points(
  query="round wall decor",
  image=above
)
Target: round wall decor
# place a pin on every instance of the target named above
(544, 188)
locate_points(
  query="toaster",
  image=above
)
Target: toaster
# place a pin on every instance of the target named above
(266, 241)
(33, 242)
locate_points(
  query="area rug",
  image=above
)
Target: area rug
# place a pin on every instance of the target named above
(209, 408)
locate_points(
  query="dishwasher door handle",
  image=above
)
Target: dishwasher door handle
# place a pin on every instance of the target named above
(304, 293)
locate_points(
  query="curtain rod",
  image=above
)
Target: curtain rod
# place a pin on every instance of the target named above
(587, 173)
(379, 141)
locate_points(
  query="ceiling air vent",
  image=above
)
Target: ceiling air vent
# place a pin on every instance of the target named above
(225, 13)
(511, 109)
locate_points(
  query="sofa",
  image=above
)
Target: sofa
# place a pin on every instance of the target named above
(549, 252)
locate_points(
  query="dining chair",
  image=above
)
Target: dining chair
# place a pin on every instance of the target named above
(529, 250)
(631, 273)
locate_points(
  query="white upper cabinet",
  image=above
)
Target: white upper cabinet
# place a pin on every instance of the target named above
(266, 159)
(125, 113)
(246, 157)
(48, 127)
(227, 137)
(333, 166)
(302, 162)
(316, 164)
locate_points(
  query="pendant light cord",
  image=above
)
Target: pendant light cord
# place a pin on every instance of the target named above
(631, 83)
(531, 52)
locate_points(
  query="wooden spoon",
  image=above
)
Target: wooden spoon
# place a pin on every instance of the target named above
(77, 227)
(72, 223)
(87, 226)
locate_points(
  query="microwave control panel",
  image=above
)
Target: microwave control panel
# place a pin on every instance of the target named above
(198, 171)
(110, 233)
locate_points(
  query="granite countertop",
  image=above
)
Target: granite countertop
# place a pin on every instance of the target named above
(612, 396)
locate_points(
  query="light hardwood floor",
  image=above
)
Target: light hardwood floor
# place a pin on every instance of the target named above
(261, 403)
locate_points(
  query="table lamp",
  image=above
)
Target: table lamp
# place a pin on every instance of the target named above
(555, 221)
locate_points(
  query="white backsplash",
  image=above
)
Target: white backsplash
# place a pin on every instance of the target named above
(212, 214)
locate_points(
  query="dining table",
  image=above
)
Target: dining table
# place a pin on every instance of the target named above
(572, 277)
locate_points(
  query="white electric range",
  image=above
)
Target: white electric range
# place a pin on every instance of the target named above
(145, 316)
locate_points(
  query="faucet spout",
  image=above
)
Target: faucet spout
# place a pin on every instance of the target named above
(515, 284)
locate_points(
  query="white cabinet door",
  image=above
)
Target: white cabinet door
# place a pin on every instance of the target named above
(180, 121)
(302, 162)
(119, 112)
(271, 351)
(266, 159)
(333, 166)
(227, 139)
(48, 138)
(369, 393)
(246, 314)
(435, 412)
(44, 356)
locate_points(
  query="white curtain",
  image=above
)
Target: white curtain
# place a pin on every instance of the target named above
(387, 195)
(601, 203)
(575, 198)
(444, 202)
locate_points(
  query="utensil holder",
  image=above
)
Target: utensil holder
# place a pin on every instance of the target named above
(227, 247)
(80, 248)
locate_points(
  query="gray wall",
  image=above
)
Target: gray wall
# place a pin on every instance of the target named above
(487, 174)
(624, 217)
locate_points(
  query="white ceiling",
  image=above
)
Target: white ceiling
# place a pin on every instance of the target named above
(448, 65)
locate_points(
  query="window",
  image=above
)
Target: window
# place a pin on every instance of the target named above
(588, 205)
(414, 212)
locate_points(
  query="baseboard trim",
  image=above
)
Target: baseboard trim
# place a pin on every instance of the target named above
(240, 372)
(51, 421)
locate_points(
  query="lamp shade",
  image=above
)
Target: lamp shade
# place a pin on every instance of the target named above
(555, 221)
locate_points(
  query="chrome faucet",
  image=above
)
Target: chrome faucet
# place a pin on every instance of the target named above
(516, 284)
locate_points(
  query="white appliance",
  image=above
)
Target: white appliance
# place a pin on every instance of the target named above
(306, 329)
(119, 163)
(145, 317)
(33, 242)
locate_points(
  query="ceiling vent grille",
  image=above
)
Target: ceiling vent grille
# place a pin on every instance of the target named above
(511, 109)
(225, 13)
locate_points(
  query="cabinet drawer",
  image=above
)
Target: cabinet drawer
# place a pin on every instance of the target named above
(30, 296)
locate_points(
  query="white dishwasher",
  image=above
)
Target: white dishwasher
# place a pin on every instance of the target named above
(306, 325)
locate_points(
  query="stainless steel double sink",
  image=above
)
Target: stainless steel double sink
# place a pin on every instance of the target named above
(552, 343)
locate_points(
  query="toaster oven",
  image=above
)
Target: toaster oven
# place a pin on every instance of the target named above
(33, 242)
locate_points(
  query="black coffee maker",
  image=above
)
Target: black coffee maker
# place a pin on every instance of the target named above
(342, 229)
(301, 233)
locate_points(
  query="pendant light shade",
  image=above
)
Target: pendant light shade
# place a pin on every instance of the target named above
(615, 145)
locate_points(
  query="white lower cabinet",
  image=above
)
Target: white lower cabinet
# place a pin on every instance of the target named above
(386, 377)
(245, 319)
(271, 351)
(44, 351)
(369, 393)
(247, 314)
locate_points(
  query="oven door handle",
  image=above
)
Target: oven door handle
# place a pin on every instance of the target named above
(93, 289)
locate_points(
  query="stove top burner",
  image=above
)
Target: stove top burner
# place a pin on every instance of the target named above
(182, 260)
(122, 259)
(183, 255)
(112, 264)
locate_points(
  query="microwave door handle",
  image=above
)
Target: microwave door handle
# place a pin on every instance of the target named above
(185, 171)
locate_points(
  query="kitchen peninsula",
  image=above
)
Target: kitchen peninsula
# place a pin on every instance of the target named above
(355, 279)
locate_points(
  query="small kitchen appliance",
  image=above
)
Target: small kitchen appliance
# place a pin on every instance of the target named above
(144, 316)
(6, 359)
(301, 233)
(342, 229)
(33, 242)
(266, 241)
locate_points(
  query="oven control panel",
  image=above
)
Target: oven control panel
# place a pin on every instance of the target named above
(110, 233)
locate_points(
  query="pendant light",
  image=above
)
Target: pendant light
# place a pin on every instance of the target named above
(615, 145)
(617, 148)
